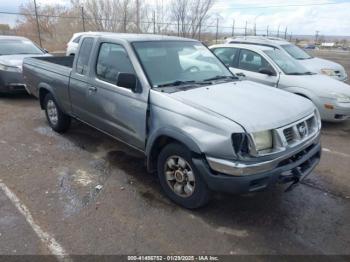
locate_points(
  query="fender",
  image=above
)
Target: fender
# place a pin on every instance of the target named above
(44, 86)
(172, 133)
(303, 92)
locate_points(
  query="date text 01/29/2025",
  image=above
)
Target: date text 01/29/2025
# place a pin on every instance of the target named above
(173, 258)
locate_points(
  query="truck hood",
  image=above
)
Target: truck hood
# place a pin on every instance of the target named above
(320, 85)
(254, 106)
(16, 60)
(315, 64)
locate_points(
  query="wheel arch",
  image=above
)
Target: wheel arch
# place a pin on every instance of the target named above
(164, 137)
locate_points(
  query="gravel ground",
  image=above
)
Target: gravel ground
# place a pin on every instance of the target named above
(55, 178)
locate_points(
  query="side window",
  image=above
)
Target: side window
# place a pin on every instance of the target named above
(77, 39)
(84, 55)
(251, 61)
(112, 60)
(226, 55)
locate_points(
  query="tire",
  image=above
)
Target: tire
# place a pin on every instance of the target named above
(57, 120)
(179, 178)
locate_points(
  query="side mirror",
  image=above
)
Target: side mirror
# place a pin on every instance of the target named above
(128, 81)
(267, 71)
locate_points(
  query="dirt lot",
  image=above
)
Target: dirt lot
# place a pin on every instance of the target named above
(56, 208)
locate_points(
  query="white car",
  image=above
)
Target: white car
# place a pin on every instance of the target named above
(271, 66)
(313, 64)
(73, 43)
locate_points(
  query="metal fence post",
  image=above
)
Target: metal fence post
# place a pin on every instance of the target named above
(199, 30)
(217, 30)
(37, 23)
(245, 29)
(233, 28)
(267, 31)
(285, 33)
(82, 17)
(154, 22)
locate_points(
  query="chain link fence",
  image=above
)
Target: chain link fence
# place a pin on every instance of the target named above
(52, 31)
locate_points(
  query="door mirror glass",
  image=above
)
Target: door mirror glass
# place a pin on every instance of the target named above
(129, 81)
(266, 71)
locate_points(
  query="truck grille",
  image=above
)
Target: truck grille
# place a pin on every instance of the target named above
(300, 131)
(288, 134)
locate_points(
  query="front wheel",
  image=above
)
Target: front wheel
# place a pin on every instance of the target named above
(179, 178)
(58, 120)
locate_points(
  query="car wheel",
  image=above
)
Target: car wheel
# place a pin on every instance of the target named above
(179, 177)
(58, 121)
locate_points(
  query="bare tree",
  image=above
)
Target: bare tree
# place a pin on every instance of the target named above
(190, 15)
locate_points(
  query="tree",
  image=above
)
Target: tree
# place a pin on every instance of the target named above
(190, 15)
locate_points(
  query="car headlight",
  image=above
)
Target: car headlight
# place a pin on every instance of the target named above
(341, 98)
(328, 72)
(262, 140)
(10, 68)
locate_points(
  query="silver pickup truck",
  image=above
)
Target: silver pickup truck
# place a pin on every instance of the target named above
(199, 127)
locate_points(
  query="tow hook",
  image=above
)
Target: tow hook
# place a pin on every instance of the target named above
(295, 179)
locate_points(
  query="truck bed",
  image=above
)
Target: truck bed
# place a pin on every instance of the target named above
(51, 70)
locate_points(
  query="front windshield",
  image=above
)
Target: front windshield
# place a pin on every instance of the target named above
(296, 52)
(15, 47)
(167, 62)
(287, 64)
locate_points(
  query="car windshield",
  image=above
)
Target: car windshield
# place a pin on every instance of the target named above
(175, 63)
(15, 47)
(287, 65)
(296, 52)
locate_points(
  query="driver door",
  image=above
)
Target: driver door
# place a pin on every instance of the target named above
(250, 64)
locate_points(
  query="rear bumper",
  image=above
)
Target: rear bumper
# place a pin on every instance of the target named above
(293, 169)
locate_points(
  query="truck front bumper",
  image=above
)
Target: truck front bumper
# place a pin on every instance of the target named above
(292, 169)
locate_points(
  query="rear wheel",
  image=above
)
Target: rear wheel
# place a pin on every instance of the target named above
(179, 178)
(58, 121)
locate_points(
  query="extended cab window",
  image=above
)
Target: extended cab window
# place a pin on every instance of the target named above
(251, 61)
(226, 55)
(112, 60)
(84, 55)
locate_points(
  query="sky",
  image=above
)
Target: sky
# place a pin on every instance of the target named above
(301, 17)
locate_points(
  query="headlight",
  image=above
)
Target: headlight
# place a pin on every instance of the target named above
(263, 140)
(341, 98)
(328, 72)
(10, 68)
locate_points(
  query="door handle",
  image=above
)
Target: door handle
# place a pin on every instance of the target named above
(240, 74)
(92, 89)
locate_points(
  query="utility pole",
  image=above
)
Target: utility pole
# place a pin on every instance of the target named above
(316, 36)
(245, 29)
(217, 30)
(278, 31)
(267, 31)
(37, 23)
(82, 17)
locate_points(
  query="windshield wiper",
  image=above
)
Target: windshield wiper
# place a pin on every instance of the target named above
(300, 74)
(177, 83)
(218, 77)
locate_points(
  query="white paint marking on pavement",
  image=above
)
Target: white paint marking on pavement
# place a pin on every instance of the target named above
(55, 248)
(335, 152)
